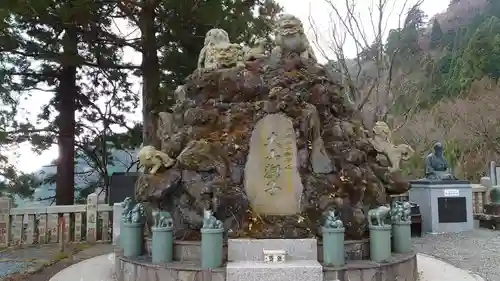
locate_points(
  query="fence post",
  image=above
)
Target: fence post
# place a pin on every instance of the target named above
(5, 206)
(62, 230)
(92, 217)
(117, 216)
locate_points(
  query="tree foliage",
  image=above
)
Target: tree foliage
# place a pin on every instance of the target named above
(465, 54)
(482, 56)
(186, 23)
(402, 43)
(436, 35)
(71, 54)
(171, 34)
(61, 50)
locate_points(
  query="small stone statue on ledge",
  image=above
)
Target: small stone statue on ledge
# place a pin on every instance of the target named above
(379, 215)
(436, 167)
(162, 219)
(127, 208)
(210, 222)
(400, 211)
(332, 220)
(135, 215)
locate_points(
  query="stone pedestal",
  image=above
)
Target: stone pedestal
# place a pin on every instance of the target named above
(211, 247)
(380, 243)
(333, 246)
(401, 237)
(253, 249)
(445, 206)
(163, 244)
(246, 260)
(132, 239)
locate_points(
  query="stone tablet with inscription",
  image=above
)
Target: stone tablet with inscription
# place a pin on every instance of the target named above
(272, 180)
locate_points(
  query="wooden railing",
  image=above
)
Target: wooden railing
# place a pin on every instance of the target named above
(41, 225)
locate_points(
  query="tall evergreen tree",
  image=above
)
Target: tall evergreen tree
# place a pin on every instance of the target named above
(436, 35)
(176, 30)
(482, 55)
(53, 47)
(65, 49)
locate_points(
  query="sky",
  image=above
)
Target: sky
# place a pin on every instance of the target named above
(321, 13)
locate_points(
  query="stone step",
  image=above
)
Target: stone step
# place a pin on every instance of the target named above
(303, 270)
(252, 249)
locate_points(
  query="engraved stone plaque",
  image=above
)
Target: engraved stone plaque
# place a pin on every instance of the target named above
(272, 180)
(452, 209)
(274, 255)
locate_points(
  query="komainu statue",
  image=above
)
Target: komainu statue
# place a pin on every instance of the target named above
(153, 159)
(382, 143)
(290, 38)
(227, 56)
(219, 52)
(267, 147)
(258, 51)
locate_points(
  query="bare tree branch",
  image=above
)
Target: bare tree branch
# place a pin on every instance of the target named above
(369, 75)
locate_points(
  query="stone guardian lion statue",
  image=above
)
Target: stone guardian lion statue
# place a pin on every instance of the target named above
(382, 143)
(290, 38)
(215, 36)
(151, 158)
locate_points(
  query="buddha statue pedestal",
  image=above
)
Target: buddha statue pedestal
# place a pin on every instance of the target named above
(445, 205)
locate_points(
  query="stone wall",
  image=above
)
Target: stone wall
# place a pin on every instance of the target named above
(401, 267)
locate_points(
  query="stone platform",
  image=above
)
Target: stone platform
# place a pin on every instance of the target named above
(185, 250)
(243, 260)
(445, 205)
(400, 267)
(190, 250)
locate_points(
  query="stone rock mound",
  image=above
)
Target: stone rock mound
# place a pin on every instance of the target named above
(270, 147)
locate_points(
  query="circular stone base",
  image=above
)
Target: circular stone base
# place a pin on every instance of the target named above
(354, 250)
(190, 250)
(401, 267)
(142, 269)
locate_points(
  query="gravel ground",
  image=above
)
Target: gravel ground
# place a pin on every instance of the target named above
(10, 267)
(18, 260)
(28, 259)
(477, 251)
(47, 272)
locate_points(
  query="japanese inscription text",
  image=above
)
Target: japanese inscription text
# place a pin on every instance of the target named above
(279, 158)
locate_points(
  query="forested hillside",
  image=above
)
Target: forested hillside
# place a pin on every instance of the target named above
(432, 79)
(452, 71)
(462, 53)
